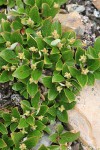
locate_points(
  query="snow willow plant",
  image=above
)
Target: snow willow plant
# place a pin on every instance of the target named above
(47, 67)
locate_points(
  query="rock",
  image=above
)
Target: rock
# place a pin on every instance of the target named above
(85, 117)
(71, 22)
(96, 3)
(97, 13)
(71, 7)
(43, 141)
(75, 7)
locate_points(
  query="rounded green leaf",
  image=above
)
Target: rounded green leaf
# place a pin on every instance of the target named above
(34, 14)
(22, 72)
(2, 143)
(31, 142)
(58, 78)
(32, 89)
(62, 116)
(52, 93)
(68, 137)
(69, 94)
(3, 129)
(9, 56)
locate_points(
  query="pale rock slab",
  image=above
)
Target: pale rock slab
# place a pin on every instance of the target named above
(71, 22)
(96, 3)
(85, 117)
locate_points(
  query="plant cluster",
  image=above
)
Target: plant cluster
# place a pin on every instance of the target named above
(47, 67)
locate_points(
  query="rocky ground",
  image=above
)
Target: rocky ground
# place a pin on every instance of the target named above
(89, 11)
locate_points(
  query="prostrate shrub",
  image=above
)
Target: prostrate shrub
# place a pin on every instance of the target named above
(47, 67)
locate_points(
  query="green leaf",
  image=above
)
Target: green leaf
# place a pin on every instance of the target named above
(43, 148)
(17, 137)
(61, 2)
(92, 53)
(5, 77)
(11, 3)
(20, 4)
(13, 126)
(6, 26)
(36, 74)
(69, 94)
(57, 26)
(50, 2)
(40, 43)
(17, 86)
(22, 72)
(47, 60)
(59, 65)
(16, 37)
(3, 2)
(77, 43)
(34, 14)
(54, 147)
(53, 138)
(2, 143)
(45, 27)
(82, 79)
(35, 133)
(93, 64)
(59, 128)
(62, 116)
(58, 78)
(67, 105)
(91, 79)
(28, 2)
(25, 105)
(31, 142)
(31, 42)
(47, 81)
(40, 125)
(52, 111)
(32, 89)
(47, 11)
(52, 93)
(73, 71)
(16, 25)
(64, 69)
(97, 74)
(80, 52)
(6, 116)
(8, 141)
(3, 129)
(22, 123)
(30, 120)
(68, 55)
(15, 113)
(35, 100)
(43, 110)
(9, 56)
(97, 45)
(69, 137)
(2, 40)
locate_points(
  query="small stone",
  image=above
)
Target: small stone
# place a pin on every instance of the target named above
(96, 3)
(71, 22)
(75, 7)
(96, 13)
(85, 117)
